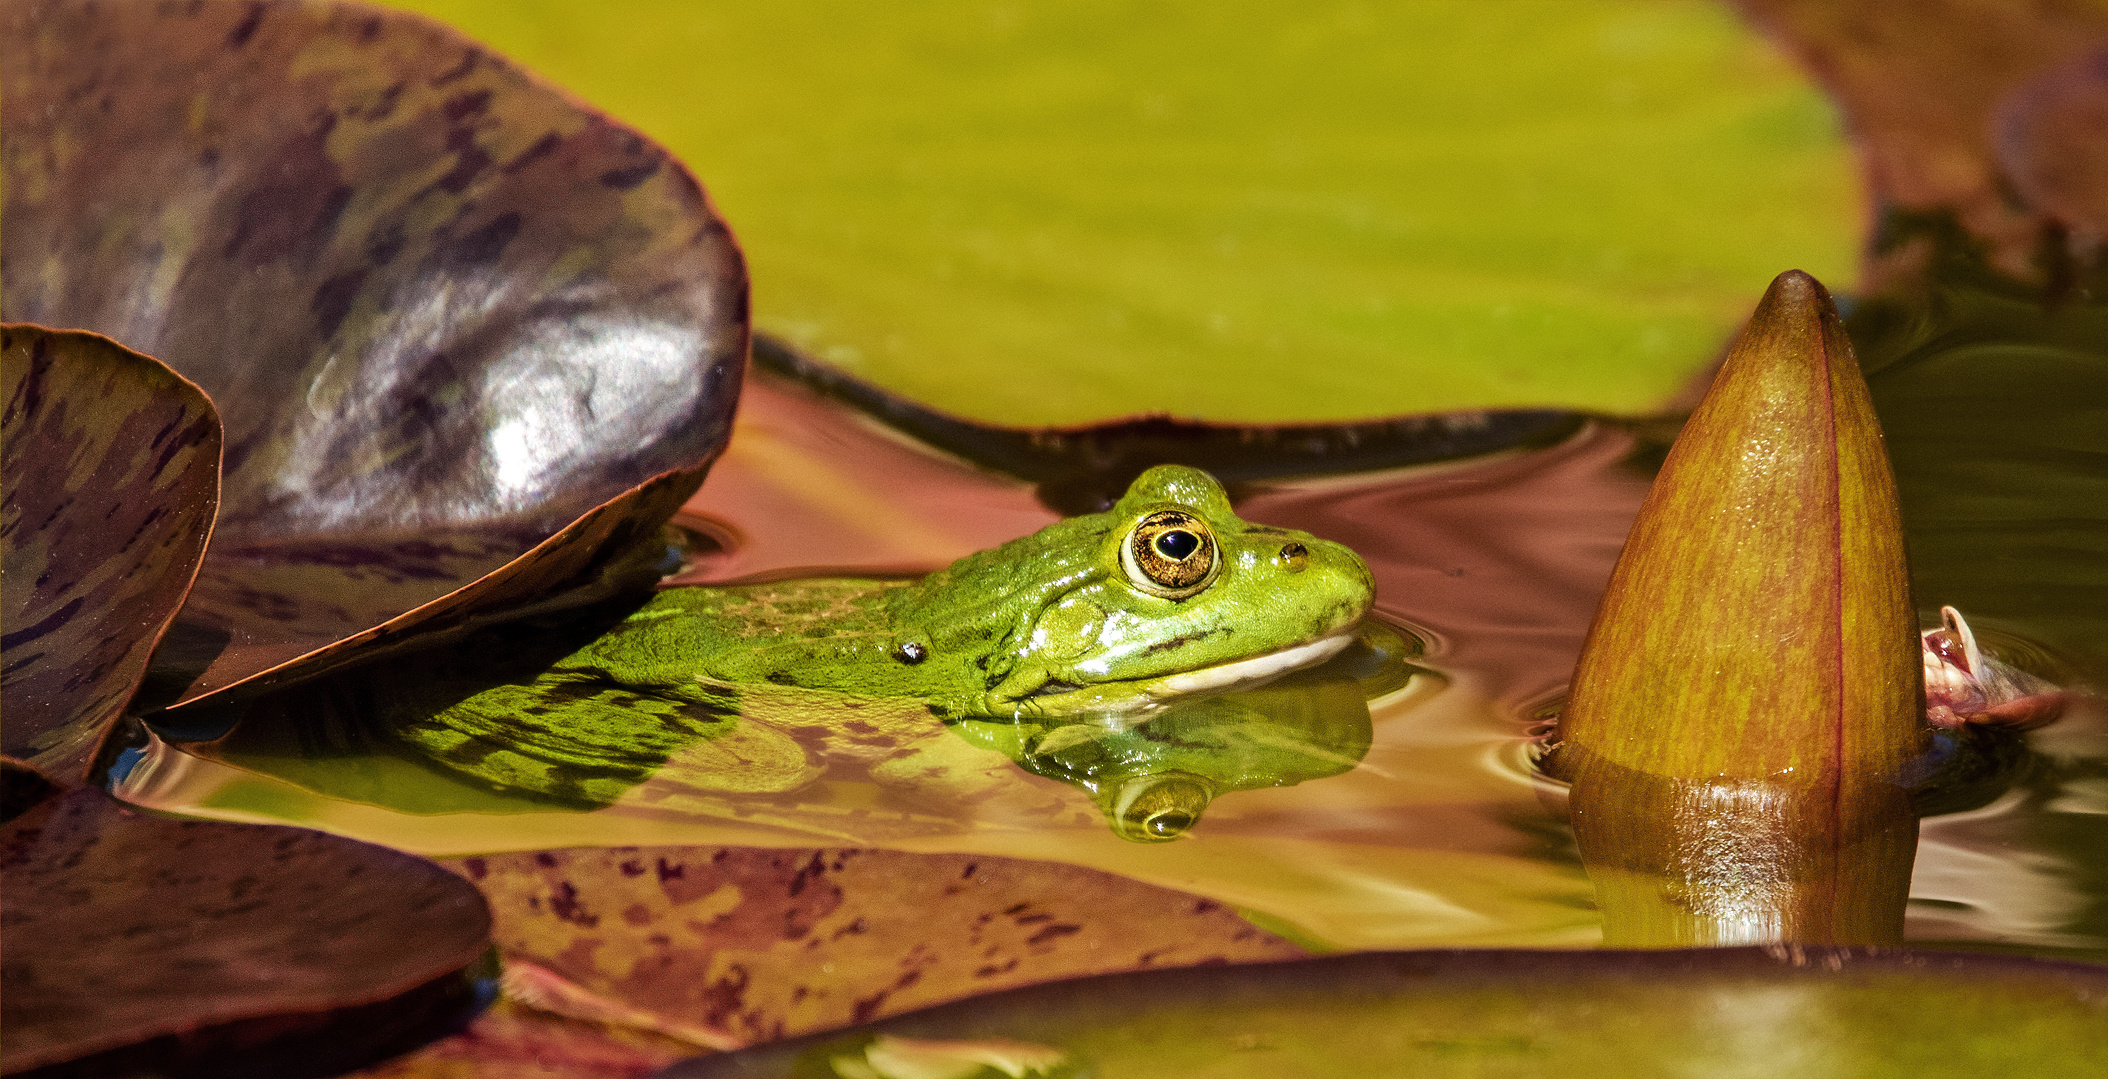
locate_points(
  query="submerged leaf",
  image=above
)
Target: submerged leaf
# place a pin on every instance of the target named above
(191, 947)
(1431, 1015)
(1750, 695)
(112, 477)
(443, 309)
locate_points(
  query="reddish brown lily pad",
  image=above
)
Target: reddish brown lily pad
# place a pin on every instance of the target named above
(728, 946)
(196, 947)
(111, 481)
(1957, 106)
(444, 310)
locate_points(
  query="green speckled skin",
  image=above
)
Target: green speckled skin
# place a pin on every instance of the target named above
(1052, 622)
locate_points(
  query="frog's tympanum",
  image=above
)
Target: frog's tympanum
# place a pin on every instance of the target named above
(1164, 596)
(1104, 620)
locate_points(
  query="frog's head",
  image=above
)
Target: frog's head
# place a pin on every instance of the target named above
(1166, 595)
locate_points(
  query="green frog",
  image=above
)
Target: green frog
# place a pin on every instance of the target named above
(1165, 596)
(1107, 619)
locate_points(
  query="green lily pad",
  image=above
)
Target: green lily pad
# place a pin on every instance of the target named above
(112, 479)
(1847, 1012)
(1054, 214)
(444, 311)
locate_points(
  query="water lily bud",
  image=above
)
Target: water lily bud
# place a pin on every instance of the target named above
(1750, 691)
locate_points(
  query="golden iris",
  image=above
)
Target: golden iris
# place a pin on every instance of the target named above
(1171, 554)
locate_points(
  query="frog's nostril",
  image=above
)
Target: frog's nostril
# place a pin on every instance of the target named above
(1293, 557)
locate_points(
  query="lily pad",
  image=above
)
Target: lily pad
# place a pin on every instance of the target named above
(1847, 1012)
(726, 947)
(1085, 468)
(1048, 215)
(112, 479)
(1988, 112)
(444, 310)
(193, 947)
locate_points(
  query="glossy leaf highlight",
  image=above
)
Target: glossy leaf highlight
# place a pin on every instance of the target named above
(444, 310)
(1750, 691)
(112, 478)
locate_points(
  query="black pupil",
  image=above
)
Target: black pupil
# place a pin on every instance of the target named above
(1177, 544)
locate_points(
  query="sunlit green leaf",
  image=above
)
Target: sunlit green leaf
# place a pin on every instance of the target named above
(1855, 1013)
(1057, 213)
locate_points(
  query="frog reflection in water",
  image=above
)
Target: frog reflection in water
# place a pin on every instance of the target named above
(1106, 619)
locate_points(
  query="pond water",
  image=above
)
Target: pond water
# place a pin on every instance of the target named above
(1438, 833)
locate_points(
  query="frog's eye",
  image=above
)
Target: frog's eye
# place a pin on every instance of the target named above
(1171, 554)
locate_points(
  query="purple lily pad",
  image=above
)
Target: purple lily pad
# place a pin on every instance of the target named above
(139, 943)
(444, 310)
(111, 482)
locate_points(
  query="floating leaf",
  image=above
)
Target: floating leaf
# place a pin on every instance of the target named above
(516, 1041)
(744, 945)
(189, 947)
(1056, 214)
(1956, 107)
(1832, 1011)
(2050, 144)
(444, 310)
(1750, 693)
(112, 478)
(1085, 468)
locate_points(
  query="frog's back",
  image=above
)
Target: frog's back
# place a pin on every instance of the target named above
(684, 633)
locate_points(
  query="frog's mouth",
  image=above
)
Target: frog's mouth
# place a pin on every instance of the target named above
(1142, 695)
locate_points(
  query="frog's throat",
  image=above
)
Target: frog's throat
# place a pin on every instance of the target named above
(1144, 695)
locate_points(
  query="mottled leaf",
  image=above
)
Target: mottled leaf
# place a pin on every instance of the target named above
(1959, 106)
(193, 947)
(1859, 1013)
(1750, 694)
(511, 1040)
(113, 466)
(443, 309)
(733, 946)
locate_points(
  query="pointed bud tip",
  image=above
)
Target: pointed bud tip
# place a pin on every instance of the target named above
(1795, 293)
